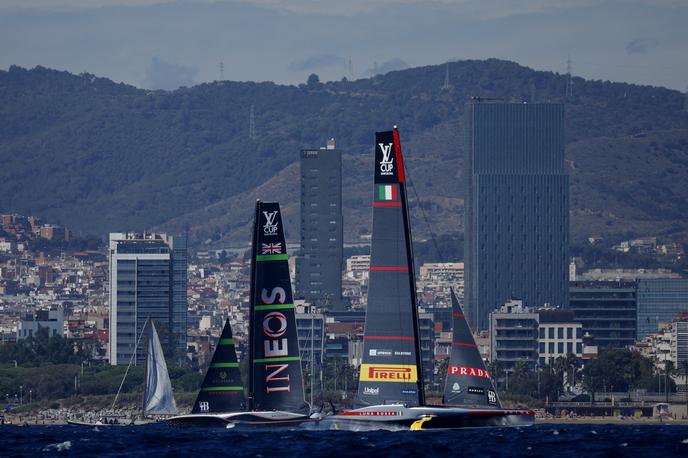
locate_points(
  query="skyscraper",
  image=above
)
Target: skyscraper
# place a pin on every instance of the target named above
(147, 280)
(660, 301)
(319, 268)
(516, 207)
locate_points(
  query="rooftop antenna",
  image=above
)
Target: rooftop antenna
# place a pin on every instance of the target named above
(222, 71)
(252, 124)
(446, 86)
(569, 81)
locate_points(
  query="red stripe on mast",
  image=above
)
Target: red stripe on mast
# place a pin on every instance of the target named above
(397, 152)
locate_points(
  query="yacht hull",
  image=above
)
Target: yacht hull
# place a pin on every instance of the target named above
(223, 420)
(396, 417)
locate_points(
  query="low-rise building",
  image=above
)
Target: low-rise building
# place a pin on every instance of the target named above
(52, 319)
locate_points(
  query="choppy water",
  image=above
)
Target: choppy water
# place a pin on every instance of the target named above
(162, 440)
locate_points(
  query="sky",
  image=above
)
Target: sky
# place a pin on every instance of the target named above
(164, 44)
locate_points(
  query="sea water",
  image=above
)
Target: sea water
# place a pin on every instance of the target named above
(162, 440)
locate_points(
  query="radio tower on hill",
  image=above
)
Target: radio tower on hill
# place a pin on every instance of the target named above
(222, 71)
(446, 86)
(252, 125)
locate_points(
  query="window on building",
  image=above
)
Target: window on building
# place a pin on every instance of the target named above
(560, 347)
(578, 332)
(542, 333)
(542, 347)
(551, 348)
(579, 348)
(560, 333)
(569, 333)
(551, 333)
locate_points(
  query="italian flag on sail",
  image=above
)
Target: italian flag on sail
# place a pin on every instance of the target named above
(387, 192)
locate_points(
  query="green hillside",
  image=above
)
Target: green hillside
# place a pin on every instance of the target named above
(99, 156)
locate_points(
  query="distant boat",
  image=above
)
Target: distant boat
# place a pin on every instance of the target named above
(275, 381)
(158, 398)
(391, 386)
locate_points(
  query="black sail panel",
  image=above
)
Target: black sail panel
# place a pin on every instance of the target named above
(222, 390)
(390, 370)
(276, 379)
(468, 383)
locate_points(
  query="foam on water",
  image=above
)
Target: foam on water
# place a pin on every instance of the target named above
(540, 440)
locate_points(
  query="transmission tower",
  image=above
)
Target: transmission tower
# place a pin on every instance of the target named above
(569, 80)
(222, 71)
(446, 86)
(252, 125)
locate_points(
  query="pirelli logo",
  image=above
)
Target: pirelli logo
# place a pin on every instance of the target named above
(388, 373)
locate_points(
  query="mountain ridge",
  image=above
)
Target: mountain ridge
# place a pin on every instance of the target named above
(99, 156)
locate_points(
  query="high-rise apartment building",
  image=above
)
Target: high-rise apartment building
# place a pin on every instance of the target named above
(517, 207)
(147, 280)
(319, 267)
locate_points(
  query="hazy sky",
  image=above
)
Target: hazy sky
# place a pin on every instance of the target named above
(164, 44)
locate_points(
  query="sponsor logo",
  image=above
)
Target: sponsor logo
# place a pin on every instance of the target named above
(468, 371)
(371, 391)
(491, 397)
(476, 390)
(271, 248)
(387, 164)
(374, 413)
(204, 406)
(223, 375)
(388, 373)
(270, 226)
(409, 392)
(376, 352)
(456, 387)
(402, 353)
(275, 344)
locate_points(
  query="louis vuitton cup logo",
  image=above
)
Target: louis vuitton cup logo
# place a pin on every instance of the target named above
(270, 226)
(386, 164)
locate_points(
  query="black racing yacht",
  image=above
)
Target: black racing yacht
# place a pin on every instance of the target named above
(391, 387)
(275, 381)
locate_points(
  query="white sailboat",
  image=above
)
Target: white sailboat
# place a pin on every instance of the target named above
(158, 398)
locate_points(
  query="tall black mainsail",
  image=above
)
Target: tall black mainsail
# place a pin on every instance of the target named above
(468, 383)
(222, 390)
(391, 367)
(275, 378)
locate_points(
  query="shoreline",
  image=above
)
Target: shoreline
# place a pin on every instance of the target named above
(635, 421)
(611, 421)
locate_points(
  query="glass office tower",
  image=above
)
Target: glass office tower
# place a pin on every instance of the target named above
(516, 207)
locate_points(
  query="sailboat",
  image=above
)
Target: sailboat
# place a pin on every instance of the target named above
(275, 381)
(158, 398)
(222, 394)
(391, 386)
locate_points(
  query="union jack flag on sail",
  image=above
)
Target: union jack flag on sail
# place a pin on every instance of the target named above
(271, 248)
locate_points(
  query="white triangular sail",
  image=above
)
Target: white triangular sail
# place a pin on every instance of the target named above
(158, 398)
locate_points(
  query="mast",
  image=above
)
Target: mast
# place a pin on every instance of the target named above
(275, 361)
(252, 294)
(411, 268)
